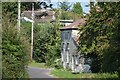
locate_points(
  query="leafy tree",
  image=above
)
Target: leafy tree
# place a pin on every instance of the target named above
(37, 5)
(66, 15)
(46, 46)
(45, 5)
(65, 5)
(75, 14)
(77, 8)
(10, 9)
(100, 36)
(15, 52)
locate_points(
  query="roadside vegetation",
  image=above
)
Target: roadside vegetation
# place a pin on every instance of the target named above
(39, 65)
(61, 73)
(15, 52)
(46, 42)
(100, 40)
(100, 37)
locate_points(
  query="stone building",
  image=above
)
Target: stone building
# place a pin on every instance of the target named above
(70, 39)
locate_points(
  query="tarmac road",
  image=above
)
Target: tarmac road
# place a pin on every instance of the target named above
(38, 72)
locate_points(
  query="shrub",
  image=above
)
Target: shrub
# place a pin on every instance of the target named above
(46, 44)
(118, 72)
(15, 52)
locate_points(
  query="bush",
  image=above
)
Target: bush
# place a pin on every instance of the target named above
(118, 72)
(58, 63)
(46, 44)
(15, 52)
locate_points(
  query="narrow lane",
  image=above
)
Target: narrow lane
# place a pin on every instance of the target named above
(38, 72)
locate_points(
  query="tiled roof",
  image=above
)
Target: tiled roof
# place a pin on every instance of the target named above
(29, 0)
(75, 24)
(38, 15)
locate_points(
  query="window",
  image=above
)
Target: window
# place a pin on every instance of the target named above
(67, 46)
(67, 35)
(63, 44)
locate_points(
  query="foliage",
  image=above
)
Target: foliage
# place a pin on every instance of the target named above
(66, 15)
(11, 9)
(46, 43)
(77, 8)
(37, 5)
(45, 5)
(100, 36)
(26, 30)
(118, 72)
(58, 64)
(39, 65)
(15, 52)
(65, 5)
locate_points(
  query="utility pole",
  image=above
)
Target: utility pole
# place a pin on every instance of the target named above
(18, 27)
(31, 55)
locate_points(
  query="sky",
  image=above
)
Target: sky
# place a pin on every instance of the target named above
(85, 9)
(83, 3)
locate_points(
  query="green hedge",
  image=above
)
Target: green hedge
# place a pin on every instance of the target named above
(15, 52)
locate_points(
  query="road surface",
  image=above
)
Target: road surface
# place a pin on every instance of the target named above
(38, 72)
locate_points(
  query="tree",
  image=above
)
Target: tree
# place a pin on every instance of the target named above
(38, 5)
(100, 36)
(15, 52)
(10, 9)
(77, 8)
(15, 47)
(65, 6)
(46, 44)
(45, 5)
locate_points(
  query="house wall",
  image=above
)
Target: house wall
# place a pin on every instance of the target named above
(69, 49)
(68, 41)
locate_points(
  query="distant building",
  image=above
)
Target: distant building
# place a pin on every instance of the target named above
(41, 16)
(70, 39)
(63, 22)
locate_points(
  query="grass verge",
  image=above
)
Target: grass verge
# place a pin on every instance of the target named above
(39, 65)
(67, 75)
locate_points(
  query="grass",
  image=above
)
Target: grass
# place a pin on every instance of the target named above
(67, 75)
(39, 65)
(60, 73)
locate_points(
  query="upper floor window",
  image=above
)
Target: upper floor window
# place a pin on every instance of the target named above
(67, 35)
